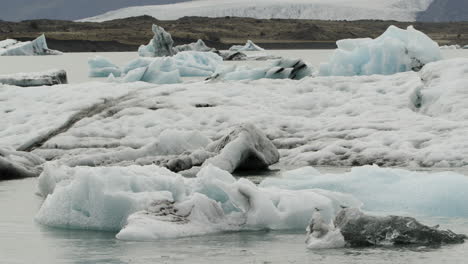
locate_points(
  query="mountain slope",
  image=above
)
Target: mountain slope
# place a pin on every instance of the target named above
(445, 10)
(401, 10)
(16, 10)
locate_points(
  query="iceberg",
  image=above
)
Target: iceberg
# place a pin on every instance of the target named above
(396, 50)
(52, 77)
(159, 46)
(150, 203)
(387, 190)
(102, 67)
(196, 46)
(167, 70)
(249, 46)
(38, 46)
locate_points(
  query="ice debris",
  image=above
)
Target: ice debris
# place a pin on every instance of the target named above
(17, 164)
(396, 50)
(48, 78)
(245, 147)
(249, 46)
(38, 46)
(102, 67)
(159, 46)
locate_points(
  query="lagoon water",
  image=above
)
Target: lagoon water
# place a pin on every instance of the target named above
(24, 241)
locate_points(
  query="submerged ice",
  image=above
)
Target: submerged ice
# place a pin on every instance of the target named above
(396, 50)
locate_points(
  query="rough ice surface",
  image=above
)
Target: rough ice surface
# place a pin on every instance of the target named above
(38, 46)
(196, 46)
(294, 69)
(148, 202)
(17, 164)
(51, 77)
(396, 50)
(249, 46)
(387, 190)
(450, 47)
(159, 46)
(397, 120)
(102, 67)
(245, 147)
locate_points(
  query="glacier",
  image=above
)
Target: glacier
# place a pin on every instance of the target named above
(396, 50)
(38, 46)
(399, 10)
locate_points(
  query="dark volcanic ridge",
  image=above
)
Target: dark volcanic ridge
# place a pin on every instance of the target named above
(128, 34)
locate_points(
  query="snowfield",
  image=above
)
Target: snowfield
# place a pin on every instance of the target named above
(400, 10)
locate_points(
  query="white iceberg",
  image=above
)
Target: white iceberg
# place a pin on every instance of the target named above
(249, 46)
(396, 50)
(102, 67)
(11, 47)
(51, 77)
(149, 203)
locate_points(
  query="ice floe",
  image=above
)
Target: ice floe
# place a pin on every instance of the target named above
(102, 67)
(51, 77)
(149, 202)
(17, 164)
(196, 46)
(38, 46)
(396, 50)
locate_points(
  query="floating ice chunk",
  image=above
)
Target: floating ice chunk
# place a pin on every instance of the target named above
(18, 164)
(249, 46)
(396, 50)
(102, 67)
(48, 78)
(150, 203)
(196, 46)
(388, 190)
(232, 55)
(102, 198)
(196, 63)
(450, 47)
(37, 46)
(162, 71)
(280, 69)
(159, 46)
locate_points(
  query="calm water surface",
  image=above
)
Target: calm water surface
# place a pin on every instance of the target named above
(24, 241)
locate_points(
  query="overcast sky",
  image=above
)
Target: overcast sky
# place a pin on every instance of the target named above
(16, 10)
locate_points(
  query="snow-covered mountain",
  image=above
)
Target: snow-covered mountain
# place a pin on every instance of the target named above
(402, 10)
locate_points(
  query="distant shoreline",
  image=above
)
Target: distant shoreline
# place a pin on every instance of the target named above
(220, 33)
